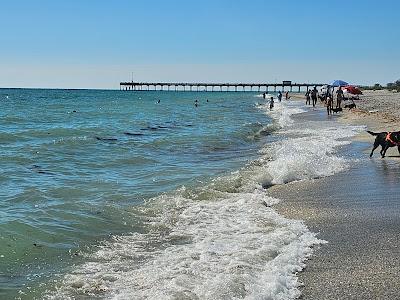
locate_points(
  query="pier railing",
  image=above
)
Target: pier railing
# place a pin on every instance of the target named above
(215, 87)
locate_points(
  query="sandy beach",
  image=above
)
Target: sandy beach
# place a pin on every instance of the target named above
(378, 110)
(357, 212)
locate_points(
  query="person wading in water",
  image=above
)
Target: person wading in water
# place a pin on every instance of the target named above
(339, 97)
(314, 95)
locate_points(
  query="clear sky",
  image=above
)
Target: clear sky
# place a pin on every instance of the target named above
(97, 43)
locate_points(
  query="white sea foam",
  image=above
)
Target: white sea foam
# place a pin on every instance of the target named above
(267, 96)
(219, 241)
(231, 247)
(310, 149)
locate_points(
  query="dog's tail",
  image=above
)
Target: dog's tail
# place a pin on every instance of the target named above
(372, 133)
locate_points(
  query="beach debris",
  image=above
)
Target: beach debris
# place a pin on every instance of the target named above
(266, 204)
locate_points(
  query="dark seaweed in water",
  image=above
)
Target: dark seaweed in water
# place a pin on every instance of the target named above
(106, 139)
(38, 169)
(133, 133)
(149, 128)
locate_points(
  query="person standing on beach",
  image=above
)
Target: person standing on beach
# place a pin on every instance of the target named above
(279, 96)
(287, 95)
(327, 95)
(329, 104)
(308, 98)
(339, 97)
(314, 96)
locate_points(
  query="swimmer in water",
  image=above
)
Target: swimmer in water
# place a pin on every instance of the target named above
(280, 96)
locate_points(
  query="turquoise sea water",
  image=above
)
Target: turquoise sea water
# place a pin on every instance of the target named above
(74, 163)
(144, 195)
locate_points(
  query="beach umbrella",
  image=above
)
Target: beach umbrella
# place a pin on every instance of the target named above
(339, 83)
(351, 89)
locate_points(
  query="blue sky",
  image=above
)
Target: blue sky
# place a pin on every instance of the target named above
(96, 44)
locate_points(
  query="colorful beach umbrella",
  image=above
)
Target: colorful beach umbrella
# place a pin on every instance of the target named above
(339, 83)
(351, 89)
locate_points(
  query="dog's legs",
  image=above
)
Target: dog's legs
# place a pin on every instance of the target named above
(384, 151)
(398, 148)
(381, 152)
(376, 145)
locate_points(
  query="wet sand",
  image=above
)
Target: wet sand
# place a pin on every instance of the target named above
(357, 212)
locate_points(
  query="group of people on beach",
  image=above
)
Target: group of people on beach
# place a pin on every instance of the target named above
(326, 98)
(311, 95)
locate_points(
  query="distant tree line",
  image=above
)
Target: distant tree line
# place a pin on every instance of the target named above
(394, 85)
(391, 86)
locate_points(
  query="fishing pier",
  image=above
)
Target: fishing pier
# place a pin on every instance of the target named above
(216, 87)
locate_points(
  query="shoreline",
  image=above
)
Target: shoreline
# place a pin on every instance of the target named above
(354, 211)
(377, 110)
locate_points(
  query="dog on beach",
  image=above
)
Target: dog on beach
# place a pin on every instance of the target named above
(336, 110)
(350, 106)
(385, 140)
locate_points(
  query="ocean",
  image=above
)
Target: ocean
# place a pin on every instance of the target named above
(144, 195)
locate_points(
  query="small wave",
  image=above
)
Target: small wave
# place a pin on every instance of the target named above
(309, 149)
(231, 246)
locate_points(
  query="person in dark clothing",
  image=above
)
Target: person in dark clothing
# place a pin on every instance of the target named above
(314, 96)
(329, 104)
(339, 97)
(279, 96)
(271, 103)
